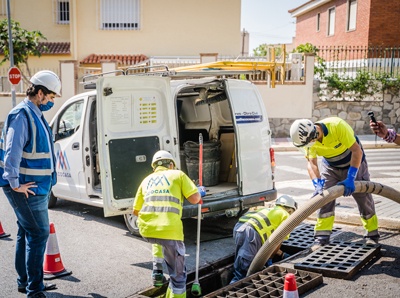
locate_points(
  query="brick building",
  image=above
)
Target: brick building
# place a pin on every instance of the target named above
(348, 22)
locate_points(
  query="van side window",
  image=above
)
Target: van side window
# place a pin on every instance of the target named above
(70, 120)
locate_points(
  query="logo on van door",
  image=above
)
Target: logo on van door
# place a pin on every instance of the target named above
(248, 117)
(63, 167)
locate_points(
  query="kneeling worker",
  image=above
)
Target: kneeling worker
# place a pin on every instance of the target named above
(158, 205)
(254, 228)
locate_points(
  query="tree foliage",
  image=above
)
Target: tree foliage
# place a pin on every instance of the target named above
(262, 50)
(25, 44)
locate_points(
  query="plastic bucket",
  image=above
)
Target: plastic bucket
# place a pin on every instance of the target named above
(211, 150)
(210, 171)
(211, 161)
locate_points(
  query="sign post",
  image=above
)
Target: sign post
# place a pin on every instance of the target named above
(11, 52)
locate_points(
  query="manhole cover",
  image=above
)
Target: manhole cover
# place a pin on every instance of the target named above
(268, 283)
(339, 259)
(301, 238)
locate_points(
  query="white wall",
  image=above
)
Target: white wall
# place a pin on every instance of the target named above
(290, 101)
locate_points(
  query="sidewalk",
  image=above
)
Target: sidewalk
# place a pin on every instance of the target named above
(368, 142)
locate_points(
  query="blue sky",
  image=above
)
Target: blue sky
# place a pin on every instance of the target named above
(268, 21)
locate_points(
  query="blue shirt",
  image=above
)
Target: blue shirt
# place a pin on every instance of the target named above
(17, 137)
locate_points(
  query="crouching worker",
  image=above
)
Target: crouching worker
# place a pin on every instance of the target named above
(254, 228)
(158, 205)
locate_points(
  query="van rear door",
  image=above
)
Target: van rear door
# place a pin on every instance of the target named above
(252, 135)
(135, 119)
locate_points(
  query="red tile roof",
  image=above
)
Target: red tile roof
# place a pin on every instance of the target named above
(55, 48)
(123, 59)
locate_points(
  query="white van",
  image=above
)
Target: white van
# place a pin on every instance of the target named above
(105, 139)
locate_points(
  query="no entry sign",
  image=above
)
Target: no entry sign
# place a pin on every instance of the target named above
(14, 76)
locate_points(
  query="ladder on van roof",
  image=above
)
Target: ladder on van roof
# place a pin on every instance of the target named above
(220, 68)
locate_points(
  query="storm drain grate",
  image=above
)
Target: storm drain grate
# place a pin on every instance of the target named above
(301, 238)
(340, 259)
(268, 283)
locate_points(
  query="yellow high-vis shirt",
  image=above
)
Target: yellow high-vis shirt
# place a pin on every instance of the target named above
(338, 138)
(160, 200)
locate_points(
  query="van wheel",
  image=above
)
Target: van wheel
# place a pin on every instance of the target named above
(52, 201)
(131, 224)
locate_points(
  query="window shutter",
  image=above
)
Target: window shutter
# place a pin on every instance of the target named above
(352, 15)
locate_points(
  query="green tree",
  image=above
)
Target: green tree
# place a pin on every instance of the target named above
(25, 44)
(262, 50)
(319, 67)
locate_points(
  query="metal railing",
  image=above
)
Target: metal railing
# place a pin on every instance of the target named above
(348, 60)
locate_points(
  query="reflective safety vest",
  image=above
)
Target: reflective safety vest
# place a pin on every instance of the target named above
(266, 220)
(160, 201)
(35, 164)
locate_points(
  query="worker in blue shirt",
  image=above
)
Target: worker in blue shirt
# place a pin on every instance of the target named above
(27, 173)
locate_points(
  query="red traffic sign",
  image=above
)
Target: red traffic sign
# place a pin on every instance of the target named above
(14, 75)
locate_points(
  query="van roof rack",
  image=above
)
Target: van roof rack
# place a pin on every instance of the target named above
(219, 68)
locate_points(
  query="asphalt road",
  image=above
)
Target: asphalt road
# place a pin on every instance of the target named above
(107, 261)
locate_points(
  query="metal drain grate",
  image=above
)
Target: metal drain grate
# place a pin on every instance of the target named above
(268, 283)
(301, 238)
(339, 259)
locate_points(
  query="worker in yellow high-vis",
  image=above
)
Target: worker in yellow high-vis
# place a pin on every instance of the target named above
(254, 228)
(158, 205)
(343, 162)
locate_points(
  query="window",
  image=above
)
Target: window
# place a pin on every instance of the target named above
(351, 15)
(70, 120)
(120, 14)
(61, 11)
(3, 7)
(331, 21)
(318, 22)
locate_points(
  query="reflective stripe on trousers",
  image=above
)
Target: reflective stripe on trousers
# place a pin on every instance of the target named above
(158, 257)
(174, 257)
(366, 205)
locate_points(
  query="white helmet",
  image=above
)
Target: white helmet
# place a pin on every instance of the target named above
(47, 79)
(303, 133)
(161, 155)
(286, 201)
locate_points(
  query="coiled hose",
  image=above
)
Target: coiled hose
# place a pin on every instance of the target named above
(307, 209)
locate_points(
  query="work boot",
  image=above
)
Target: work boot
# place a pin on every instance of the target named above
(372, 240)
(319, 241)
(158, 278)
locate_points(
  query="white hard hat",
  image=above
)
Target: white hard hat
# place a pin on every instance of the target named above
(47, 79)
(286, 201)
(303, 133)
(162, 155)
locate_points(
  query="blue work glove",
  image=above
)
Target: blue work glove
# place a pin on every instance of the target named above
(201, 190)
(319, 185)
(349, 187)
(285, 255)
(269, 262)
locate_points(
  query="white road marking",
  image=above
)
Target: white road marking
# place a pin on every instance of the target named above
(292, 170)
(387, 168)
(392, 162)
(396, 174)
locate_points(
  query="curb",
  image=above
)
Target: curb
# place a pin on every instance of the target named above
(354, 219)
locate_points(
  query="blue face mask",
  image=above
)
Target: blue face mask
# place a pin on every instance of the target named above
(47, 107)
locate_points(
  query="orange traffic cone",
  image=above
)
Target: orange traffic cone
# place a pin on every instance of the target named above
(2, 233)
(290, 289)
(53, 266)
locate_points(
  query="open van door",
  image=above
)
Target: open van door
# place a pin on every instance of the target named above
(136, 117)
(253, 137)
